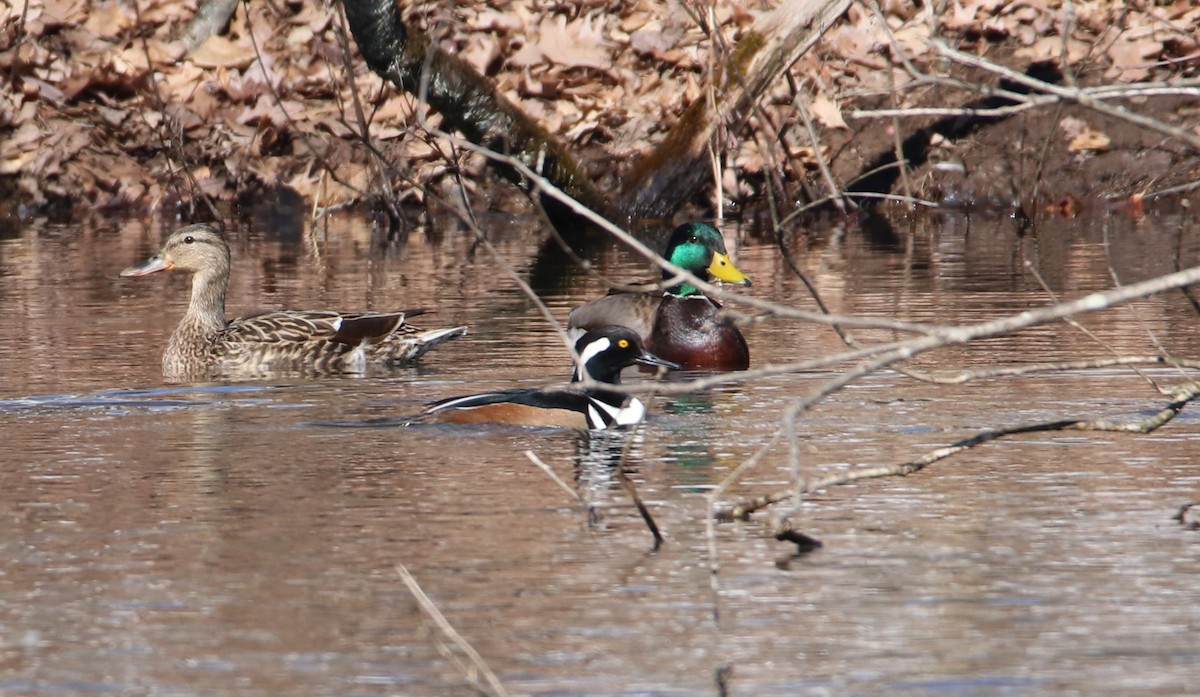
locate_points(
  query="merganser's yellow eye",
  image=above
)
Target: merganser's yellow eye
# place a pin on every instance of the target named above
(623, 343)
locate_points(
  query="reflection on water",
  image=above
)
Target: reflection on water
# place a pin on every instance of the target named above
(223, 538)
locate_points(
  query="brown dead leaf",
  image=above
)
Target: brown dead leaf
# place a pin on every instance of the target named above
(1051, 47)
(398, 109)
(305, 184)
(109, 19)
(914, 38)
(132, 63)
(60, 13)
(827, 112)
(527, 56)
(219, 52)
(1072, 126)
(267, 112)
(299, 36)
(113, 117)
(163, 53)
(651, 42)
(1132, 59)
(481, 53)
(577, 44)
(637, 20)
(491, 20)
(15, 162)
(352, 181)
(962, 15)
(1090, 140)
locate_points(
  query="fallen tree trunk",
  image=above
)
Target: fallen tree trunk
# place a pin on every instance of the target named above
(468, 101)
(660, 182)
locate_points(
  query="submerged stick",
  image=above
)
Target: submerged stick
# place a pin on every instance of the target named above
(628, 486)
(492, 686)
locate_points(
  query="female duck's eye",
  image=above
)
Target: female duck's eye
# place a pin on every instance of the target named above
(623, 343)
(189, 239)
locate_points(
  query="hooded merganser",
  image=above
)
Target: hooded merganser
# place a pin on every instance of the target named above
(603, 353)
(682, 324)
(205, 344)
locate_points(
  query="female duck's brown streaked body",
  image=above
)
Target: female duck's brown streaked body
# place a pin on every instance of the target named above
(682, 324)
(206, 345)
(603, 354)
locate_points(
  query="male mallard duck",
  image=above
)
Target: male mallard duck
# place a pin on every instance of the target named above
(603, 353)
(682, 324)
(205, 344)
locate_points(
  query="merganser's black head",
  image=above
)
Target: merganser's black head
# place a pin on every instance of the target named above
(606, 351)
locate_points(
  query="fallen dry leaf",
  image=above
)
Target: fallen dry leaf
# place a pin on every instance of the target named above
(58, 13)
(109, 19)
(578, 44)
(1132, 60)
(1089, 141)
(827, 112)
(219, 52)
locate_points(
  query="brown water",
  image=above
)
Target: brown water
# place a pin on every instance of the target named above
(211, 540)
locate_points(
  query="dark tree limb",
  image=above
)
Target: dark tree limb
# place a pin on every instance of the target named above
(660, 182)
(469, 103)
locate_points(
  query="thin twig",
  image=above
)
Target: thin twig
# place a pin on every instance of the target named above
(554, 476)
(477, 667)
(1182, 395)
(1073, 95)
(627, 484)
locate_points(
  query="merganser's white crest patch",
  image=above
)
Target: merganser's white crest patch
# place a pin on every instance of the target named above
(592, 350)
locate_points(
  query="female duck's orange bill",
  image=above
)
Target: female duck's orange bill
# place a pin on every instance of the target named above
(155, 263)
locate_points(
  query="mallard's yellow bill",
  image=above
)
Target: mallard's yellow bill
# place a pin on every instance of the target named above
(723, 269)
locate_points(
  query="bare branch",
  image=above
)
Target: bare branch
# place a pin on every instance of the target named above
(1182, 395)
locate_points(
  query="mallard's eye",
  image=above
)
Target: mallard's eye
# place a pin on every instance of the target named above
(189, 239)
(623, 343)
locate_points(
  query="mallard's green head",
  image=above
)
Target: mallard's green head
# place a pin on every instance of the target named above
(699, 248)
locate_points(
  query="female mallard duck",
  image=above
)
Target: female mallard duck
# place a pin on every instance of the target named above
(205, 344)
(682, 324)
(603, 353)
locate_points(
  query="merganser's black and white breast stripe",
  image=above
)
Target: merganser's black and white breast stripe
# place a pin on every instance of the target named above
(603, 353)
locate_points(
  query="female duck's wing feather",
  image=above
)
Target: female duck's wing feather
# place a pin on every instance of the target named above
(353, 329)
(324, 340)
(635, 310)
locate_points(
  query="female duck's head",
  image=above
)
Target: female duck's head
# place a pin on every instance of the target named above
(193, 249)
